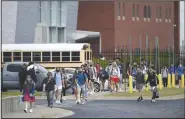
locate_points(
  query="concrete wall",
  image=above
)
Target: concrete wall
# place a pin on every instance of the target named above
(11, 104)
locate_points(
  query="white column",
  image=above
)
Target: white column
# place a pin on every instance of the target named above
(100, 44)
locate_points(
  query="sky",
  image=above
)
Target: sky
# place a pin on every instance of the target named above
(182, 21)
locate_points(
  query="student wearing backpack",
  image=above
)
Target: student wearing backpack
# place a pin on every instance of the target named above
(180, 71)
(164, 73)
(93, 76)
(81, 82)
(114, 76)
(153, 80)
(120, 65)
(59, 85)
(103, 77)
(49, 87)
(134, 72)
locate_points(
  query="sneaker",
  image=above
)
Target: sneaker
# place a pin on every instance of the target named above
(31, 110)
(64, 98)
(56, 101)
(77, 102)
(25, 111)
(59, 103)
(51, 106)
(139, 99)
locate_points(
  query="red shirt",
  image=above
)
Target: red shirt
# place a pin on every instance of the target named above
(98, 67)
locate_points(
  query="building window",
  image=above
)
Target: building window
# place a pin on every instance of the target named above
(123, 9)
(166, 16)
(145, 11)
(119, 7)
(17, 56)
(26, 56)
(55, 56)
(160, 12)
(36, 56)
(65, 56)
(149, 12)
(169, 14)
(46, 56)
(133, 10)
(7, 56)
(75, 56)
(137, 11)
(157, 12)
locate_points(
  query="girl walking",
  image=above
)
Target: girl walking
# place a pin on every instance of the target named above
(114, 76)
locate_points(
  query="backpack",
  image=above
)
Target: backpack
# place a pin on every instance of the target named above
(31, 72)
(105, 75)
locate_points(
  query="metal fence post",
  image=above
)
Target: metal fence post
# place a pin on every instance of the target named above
(140, 47)
(130, 45)
(147, 47)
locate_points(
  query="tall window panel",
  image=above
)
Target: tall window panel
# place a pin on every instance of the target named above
(160, 12)
(59, 14)
(169, 14)
(119, 7)
(137, 13)
(54, 13)
(123, 8)
(61, 35)
(145, 12)
(52, 34)
(133, 10)
(40, 11)
(149, 12)
(50, 12)
(166, 15)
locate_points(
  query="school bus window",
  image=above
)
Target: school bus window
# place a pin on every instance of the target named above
(26, 56)
(7, 56)
(46, 56)
(55, 56)
(90, 55)
(36, 56)
(17, 56)
(87, 55)
(75, 56)
(65, 56)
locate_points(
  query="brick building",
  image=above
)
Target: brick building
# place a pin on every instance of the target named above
(119, 20)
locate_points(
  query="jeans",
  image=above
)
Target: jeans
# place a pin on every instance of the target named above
(50, 95)
(133, 82)
(82, 88)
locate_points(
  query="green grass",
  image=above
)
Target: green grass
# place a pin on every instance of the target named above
(163, 92)
(9, 94)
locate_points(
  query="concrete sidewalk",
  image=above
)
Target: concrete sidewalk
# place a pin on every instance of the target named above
(100, 96)
(40, 112)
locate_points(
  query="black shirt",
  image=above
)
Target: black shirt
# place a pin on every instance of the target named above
(140, 78)
(152, 79)
(50, 85)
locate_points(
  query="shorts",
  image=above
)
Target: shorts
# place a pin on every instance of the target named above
(115, 79)
(139, 86)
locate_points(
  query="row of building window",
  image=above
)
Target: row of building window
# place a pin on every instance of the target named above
(46, 56)
(146, 11)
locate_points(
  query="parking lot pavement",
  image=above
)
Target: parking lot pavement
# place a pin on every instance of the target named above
(123, 108)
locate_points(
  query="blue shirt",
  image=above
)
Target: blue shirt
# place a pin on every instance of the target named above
(180, 70)
(172, 70)
(81, 79)
(58, 79)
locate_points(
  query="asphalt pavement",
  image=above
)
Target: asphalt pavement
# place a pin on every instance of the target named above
(123, 108)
